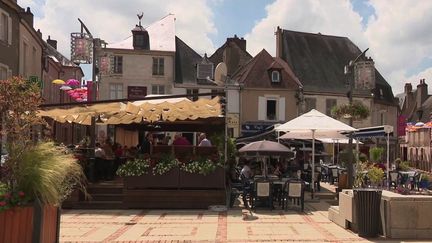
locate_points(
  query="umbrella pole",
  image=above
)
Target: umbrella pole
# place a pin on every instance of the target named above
(313, 163)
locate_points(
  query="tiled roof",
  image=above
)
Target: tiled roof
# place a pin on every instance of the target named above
(186, 60)
(318, 61)
(256, 73)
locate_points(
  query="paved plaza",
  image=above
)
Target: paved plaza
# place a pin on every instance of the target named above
(236, 225)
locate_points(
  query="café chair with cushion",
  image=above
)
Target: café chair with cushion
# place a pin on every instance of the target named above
(262, 192)
(395, 178)
(293, 190)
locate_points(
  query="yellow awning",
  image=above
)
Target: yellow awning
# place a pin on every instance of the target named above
(134, 112)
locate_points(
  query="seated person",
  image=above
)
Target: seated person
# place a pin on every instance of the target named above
(203, 141)
(278, 170)
(245, 175)
(180, 140)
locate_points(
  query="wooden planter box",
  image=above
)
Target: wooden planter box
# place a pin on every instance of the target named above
(215, 180)
(168, 180)
(30, 224)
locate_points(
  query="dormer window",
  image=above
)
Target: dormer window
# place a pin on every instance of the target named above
(205, 68)
(275, 76)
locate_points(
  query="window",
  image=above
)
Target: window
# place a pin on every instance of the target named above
(330, 103)
(158, 66)
(382, 118)
(310, 104)
(275, 75)
(116, 91)
(3, 73)
(118, 64)
(5, 28)
(271, 110)
(158, 89)
(191, 92)
(34, 59)
(25, 53)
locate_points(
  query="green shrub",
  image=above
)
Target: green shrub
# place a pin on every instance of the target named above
(166, 163)
(376, 153)
(375, 175)
(136, 167)
(201, 166)
(404, 166)
(363, 157)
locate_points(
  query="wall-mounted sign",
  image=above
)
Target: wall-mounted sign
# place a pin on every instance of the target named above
(233, 120)
(136, 92)
(81, 48)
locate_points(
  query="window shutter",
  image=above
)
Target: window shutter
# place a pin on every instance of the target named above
(9, 30)
(261, 108)
(282, 109)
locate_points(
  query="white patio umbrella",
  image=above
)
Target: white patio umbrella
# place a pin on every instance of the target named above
(314, 122)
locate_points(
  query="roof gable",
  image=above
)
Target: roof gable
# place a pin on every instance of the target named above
(256, 73)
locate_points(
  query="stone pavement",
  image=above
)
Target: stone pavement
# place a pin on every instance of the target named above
(236, 225)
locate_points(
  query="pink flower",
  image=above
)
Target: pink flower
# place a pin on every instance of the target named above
(21, 194)
(2, 204)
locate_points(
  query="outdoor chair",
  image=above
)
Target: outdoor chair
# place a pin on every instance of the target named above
(325, 174)
(262, 193)
(395, 178)
(334, 175)
(293, 190)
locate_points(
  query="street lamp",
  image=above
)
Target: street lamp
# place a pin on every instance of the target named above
(348, 70)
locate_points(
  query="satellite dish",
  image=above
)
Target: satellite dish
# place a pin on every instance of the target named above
(220, 74)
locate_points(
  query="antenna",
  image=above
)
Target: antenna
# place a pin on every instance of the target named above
(140, 17)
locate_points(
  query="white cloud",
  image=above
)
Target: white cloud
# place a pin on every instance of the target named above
(326, 17)
(113, 20)
(398, 34)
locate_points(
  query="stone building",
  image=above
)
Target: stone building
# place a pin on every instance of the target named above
(318, 61)
(416, 110)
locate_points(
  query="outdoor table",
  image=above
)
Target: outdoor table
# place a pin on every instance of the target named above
(408, 176)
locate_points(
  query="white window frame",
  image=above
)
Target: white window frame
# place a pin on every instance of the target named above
(159, 88)
(115, 91)
(277, 73)
(280, 107)
(158, 66)
(5, 28)
(118, 69)
(7, 72)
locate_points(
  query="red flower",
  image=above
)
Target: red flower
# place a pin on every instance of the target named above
(21, 194)
(2, 204)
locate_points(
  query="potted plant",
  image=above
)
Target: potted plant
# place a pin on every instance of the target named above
(140, 174)
(35, 176)
(375, 175)
(202, 172)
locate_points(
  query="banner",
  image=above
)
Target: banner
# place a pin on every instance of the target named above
(401, 125)
(81, 48)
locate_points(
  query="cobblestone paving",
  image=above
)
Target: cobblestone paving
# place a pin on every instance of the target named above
(236, 225)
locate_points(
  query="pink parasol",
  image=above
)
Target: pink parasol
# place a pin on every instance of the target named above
(73, 82)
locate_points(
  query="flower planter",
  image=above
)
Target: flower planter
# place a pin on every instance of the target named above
(167, 180)
(30, 224)
(16, 225)
(214, 180)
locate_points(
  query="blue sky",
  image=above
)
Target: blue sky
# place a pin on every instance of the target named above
(398, 35)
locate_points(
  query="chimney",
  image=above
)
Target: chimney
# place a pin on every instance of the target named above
(422, 93)
(240, 42)
(27, 16)
(39, 33)
(52, 43)
(408, 88)
(141, 39)
(278, 34)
